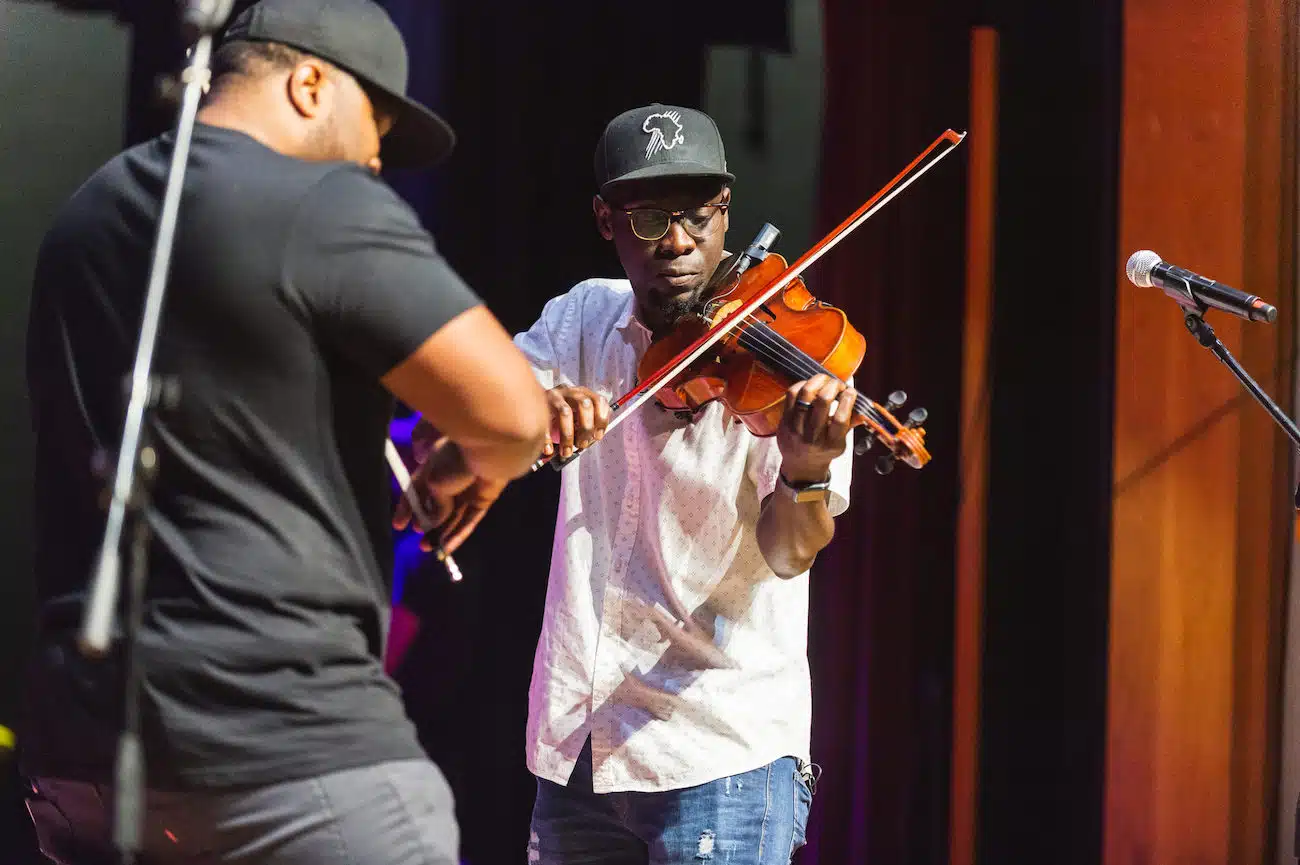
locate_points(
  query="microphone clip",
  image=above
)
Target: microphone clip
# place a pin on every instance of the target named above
(1200, 328)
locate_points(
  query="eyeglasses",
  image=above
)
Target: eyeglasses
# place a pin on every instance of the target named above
(649, 223)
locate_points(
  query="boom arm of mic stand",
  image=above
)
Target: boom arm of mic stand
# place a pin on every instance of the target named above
(1204, 334)
(98, 622)
(137, 463)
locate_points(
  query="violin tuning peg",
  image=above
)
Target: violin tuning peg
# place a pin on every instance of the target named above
(917, 417)
(896, 400)
(884, 464)
(864, 443)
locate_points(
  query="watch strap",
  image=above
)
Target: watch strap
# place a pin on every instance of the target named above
(807, 492)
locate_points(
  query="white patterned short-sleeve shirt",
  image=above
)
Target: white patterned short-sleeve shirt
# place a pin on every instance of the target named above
(656, 526)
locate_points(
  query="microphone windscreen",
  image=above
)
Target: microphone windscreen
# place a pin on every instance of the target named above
(1139, 267)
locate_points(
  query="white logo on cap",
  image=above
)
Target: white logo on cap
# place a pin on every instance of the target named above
(665, 132)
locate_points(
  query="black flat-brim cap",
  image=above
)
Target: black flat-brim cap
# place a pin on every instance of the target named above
(360, 38)
(659, 141)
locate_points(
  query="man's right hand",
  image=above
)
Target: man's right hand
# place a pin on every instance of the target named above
(454, 500)
(578, 419)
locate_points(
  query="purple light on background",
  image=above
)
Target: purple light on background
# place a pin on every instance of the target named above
(407, 556)
(400, 429)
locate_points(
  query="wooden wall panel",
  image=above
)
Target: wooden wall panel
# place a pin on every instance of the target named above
(1270, 244)
(1200, 510)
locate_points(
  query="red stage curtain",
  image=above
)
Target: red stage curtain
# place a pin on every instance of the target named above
(881, 630)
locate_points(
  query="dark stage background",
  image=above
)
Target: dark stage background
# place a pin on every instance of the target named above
(529, 88)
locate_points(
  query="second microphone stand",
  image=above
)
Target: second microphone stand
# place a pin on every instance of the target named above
(1200, 328)
(137, 461)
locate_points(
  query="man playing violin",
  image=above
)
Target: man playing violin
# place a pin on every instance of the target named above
(670, 707)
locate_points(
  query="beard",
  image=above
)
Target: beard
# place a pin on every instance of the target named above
(669, 310)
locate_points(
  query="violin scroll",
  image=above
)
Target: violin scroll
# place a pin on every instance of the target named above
(903, 440)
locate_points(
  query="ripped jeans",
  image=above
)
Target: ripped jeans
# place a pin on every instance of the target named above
(758, 818)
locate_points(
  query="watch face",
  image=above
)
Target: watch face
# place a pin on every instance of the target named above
(811, 494)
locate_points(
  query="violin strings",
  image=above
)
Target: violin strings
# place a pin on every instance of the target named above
(772, 346)
(777, 350)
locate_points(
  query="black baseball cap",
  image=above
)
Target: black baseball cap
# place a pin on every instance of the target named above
(659, 141)
(359, 37)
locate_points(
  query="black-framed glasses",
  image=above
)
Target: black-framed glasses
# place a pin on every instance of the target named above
(651, 223)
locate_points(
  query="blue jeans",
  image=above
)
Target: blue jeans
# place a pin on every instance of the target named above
(758, 818)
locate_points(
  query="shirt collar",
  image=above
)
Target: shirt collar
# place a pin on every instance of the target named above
(628, 320)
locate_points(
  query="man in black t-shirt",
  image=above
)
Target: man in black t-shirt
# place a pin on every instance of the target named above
(303, 297)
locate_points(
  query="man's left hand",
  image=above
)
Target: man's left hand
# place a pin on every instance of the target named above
(811, 435)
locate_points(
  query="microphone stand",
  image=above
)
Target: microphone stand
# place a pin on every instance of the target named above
(1200, 328)
(137, 460)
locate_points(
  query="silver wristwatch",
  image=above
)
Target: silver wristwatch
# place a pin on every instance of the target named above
(814, 492)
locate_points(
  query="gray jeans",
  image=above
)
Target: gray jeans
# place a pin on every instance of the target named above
(397, 813)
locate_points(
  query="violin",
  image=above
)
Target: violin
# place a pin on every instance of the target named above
(791, 338)
(746, 346)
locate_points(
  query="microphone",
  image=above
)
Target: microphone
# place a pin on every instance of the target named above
(1193, 291)
(201, 18)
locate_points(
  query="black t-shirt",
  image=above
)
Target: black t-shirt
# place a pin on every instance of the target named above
(294, 287)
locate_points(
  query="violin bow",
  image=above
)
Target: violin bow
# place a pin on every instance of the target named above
(635, 398)
(417, 510)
